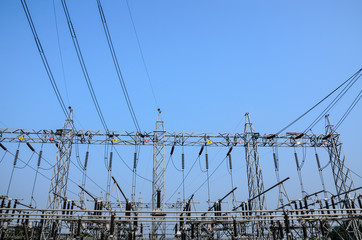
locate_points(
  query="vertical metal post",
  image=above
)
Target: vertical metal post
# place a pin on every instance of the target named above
(341, 173)
(158, 229)
(254, 173)
(59, 180)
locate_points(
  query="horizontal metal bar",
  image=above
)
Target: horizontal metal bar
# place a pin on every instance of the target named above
(147, 138)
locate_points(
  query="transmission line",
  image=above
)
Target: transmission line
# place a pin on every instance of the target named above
(116, 65)
(301, 116)
(334, 101)
(348, 111)
(60, 52)
(142, 55)
(83, 66)
(43, 57)
(183, 179)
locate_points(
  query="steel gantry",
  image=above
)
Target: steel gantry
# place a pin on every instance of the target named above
(253, 224)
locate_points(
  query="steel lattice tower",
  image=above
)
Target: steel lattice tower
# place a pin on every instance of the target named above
(158, 229)
(254, 173)
(342, 176)
(58, 183)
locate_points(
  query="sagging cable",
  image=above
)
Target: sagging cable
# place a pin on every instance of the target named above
(12, 172)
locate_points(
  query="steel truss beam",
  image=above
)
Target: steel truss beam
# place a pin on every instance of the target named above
(170, 138)
(289, 223)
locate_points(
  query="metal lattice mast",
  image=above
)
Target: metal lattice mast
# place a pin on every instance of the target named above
(58, 184)
(254, 173)
(341, 173)
(342, 176)
(158, 229)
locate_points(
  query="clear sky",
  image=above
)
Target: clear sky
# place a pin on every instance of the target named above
(209, 62)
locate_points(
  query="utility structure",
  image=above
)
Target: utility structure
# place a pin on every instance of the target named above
(254, 173)
(57, 197)
(158, 228)
(342, 176)
(254, 221)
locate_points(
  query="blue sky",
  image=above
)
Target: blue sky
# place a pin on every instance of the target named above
(209, 63)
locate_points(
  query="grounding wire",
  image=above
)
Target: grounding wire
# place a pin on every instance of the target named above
(116, 65)
(334, 102)
(141, 52)
(43, 57)
(305, 113)
(83, 66)
(348, 111)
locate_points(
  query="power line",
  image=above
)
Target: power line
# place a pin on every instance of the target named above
(348, 111)
(130, 167)
(83, 66)
(116, 65)
(142, 55)
(183, 179)
(43, 57)
(60, 52)
(210, 175)
(334, 101)
(301, 116)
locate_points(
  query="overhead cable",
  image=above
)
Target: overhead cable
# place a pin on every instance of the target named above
(83, 66)
(334, 101)
(348, 111)
(43, 57)
(116, 65)
(301, 116)
(142, 55)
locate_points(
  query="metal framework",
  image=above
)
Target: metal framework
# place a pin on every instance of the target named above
(146, 138)
(158, 228)
(342, 176)
(295, 219)
(58, 184)
(254, 173)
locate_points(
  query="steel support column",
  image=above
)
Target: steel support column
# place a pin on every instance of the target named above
(254, 173)
(59, 180)
(342, 176)
(158, 229)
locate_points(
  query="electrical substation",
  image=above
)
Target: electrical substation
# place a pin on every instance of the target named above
(122, 210)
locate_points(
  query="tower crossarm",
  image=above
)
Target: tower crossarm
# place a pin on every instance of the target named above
(147, 138)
